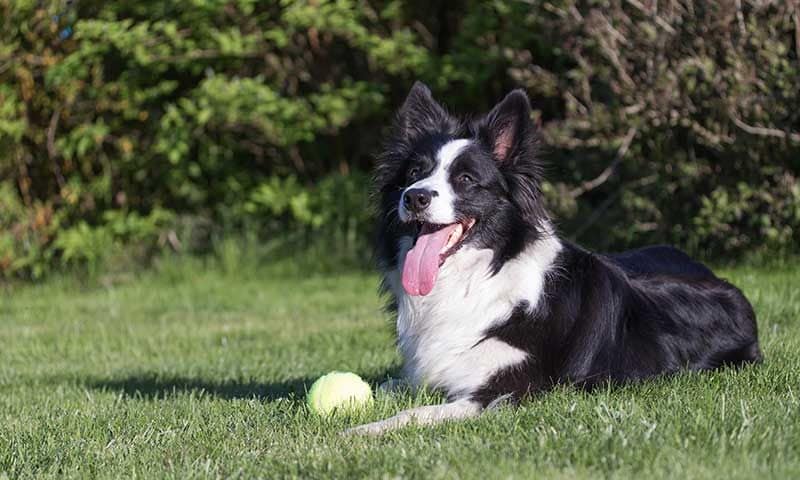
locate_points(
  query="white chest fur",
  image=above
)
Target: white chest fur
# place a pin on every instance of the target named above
(440, 334)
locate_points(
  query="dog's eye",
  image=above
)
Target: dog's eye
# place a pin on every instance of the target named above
(466, 178)
(413, 173)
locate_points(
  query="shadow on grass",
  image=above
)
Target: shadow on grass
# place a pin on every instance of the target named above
(151, 386)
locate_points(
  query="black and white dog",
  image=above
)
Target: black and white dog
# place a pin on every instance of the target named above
(491, 305)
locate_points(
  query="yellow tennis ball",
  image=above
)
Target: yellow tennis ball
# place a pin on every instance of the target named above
(338, 391)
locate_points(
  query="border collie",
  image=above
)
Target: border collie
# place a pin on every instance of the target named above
(492, 306)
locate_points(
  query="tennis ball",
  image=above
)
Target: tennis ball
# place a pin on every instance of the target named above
(338, 391)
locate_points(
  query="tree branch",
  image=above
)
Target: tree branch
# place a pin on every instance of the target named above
(606, 174)
(51, 147)
(653, 15)
(764, 131)
(608, 202)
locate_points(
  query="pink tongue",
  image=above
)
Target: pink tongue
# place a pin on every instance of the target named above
(422, 261)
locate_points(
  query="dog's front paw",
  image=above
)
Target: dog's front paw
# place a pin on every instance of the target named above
(368, 429)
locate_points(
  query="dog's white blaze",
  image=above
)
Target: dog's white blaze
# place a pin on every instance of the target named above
(441, 209)
(440, 334)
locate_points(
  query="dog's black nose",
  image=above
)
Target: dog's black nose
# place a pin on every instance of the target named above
(417, 199)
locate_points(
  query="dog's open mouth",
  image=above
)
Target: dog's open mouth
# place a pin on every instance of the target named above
(433, 245)
(456, 234)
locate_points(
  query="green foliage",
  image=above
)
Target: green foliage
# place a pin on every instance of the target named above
(92, 246)
(336, 202)
(665, 121)
(768, 212)
(25, 232)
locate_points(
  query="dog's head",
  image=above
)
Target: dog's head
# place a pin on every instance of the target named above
(446, 184)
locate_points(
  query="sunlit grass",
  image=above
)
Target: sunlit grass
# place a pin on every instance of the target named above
(197, 371)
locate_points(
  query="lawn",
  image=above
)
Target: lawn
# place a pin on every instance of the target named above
(200, 371)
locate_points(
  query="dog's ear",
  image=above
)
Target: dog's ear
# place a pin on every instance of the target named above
(510, 134)
(421, 114)
(508, 130)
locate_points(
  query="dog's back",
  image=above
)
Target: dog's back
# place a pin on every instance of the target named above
(660, 259)
(706, 318)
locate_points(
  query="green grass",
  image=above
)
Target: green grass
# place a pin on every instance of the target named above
(200, 372)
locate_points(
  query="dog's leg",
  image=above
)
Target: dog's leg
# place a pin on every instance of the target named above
(427, 415)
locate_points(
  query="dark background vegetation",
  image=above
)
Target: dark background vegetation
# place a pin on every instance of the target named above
(129, 128)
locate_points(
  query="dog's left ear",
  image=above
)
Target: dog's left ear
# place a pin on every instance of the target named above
(508, 130)
(510, 135)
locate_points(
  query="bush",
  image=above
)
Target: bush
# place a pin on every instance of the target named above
(141, 122)
(671, 117)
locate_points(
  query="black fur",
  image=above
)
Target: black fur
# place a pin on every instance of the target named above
(609, 320)
(621, 317)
